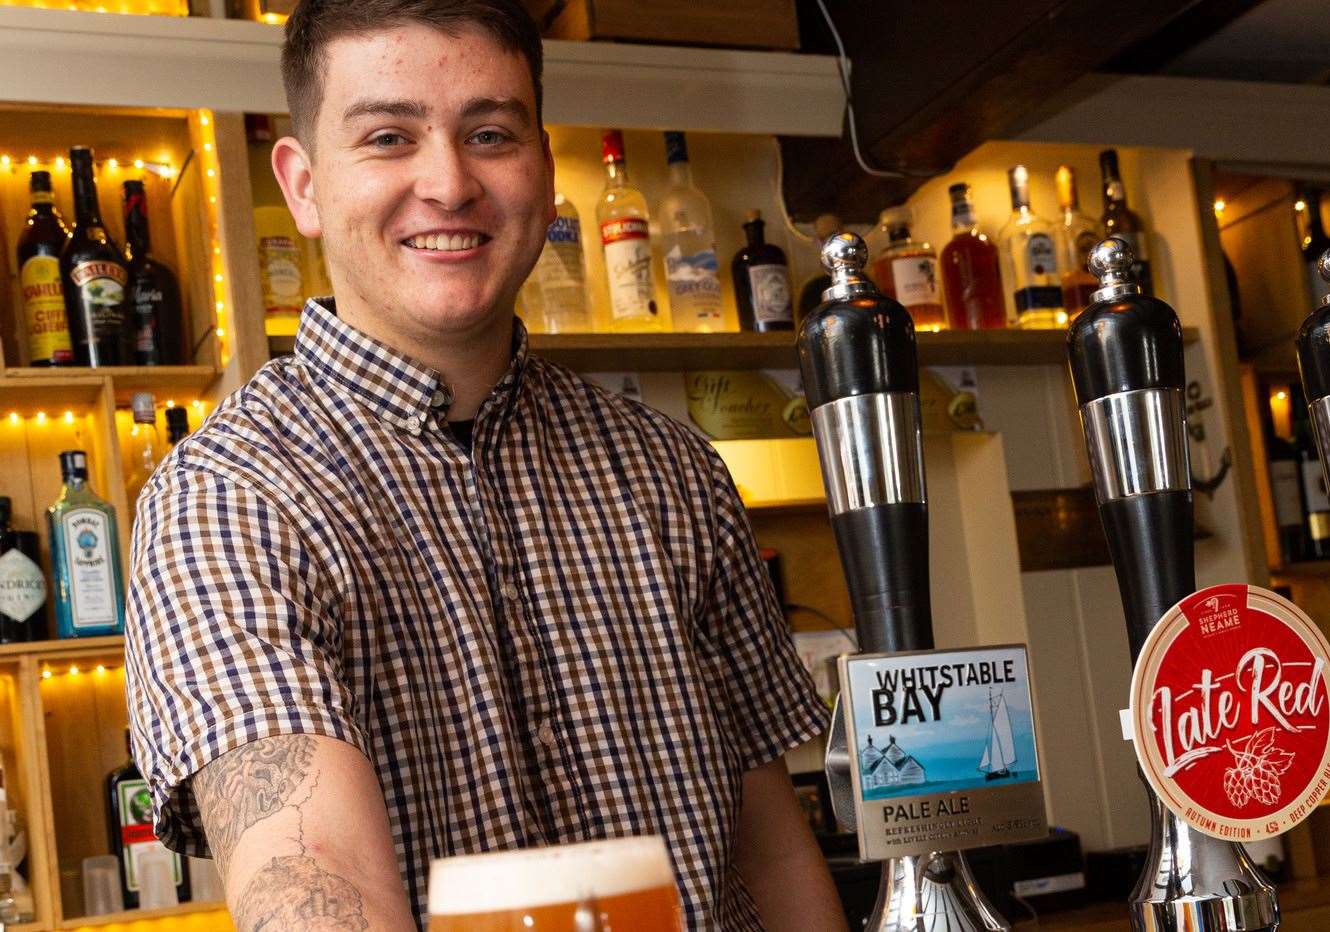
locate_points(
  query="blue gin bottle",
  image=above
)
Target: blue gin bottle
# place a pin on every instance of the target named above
(85, 556)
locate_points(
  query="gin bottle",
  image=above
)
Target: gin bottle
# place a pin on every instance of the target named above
(689, 244)
(1030, 261)
(85, 556)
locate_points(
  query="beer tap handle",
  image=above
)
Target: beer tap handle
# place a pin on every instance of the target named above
(1314, 363)
(1126, 364)
(861, 378)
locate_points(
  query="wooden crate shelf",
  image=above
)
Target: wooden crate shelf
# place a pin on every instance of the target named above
(165, 382)
(195, 917)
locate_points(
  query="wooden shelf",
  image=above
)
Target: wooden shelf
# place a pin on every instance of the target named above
(1304, 569)
(166, 382)
(138, 915)
(63, 647)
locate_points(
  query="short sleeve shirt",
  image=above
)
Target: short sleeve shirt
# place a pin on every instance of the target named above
(561, 633)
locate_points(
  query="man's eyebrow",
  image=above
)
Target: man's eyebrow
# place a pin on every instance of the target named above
(484, 106)
(407, 109)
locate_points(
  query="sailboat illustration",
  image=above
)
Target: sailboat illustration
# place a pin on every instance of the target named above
(1000, 751)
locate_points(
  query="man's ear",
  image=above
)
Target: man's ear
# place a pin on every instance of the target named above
(292, 165)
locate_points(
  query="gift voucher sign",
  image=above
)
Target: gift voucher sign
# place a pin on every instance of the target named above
(942, 750)
(1229, 712)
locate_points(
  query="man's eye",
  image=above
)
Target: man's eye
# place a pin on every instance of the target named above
(489, 137)
(387, 140)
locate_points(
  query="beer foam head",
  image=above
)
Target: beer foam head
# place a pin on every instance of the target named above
(531, 877)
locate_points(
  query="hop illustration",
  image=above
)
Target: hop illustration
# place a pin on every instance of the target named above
(1257, 764)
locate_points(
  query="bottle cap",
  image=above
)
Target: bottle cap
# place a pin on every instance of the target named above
(959, 190)
(40, 181)
(74, 464)
(1323, 269)
(145, 408)
(1018, 180)
(611, 146)
(177, 420)
(752, 214)
(676, 147)
(80, 155)
(897, 221)
(6, 510)
(1111, 262)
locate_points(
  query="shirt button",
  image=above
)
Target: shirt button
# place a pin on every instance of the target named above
(413, 424)
(442, 396)
(510, 592)
(545, 734)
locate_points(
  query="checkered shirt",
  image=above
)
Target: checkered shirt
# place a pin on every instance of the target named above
(564, 634)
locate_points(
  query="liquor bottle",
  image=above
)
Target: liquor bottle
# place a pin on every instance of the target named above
(1030, 261)
(554, 296)
(129, 825)
(810, 295)
(1286, 490)
(145, 446)
(94, 275)
(971, 280)
(85, 556)
(22, 582)
(1314, 494)
(761, 280)
(177, 425)
(154, 291)
(39, 248)
(283, 263)
(1314, 244)
(1120, 220)
(1077, 235)
(688, 241)
(622, 216)
(907, 271)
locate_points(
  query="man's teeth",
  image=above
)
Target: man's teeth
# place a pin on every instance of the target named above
(444, 242)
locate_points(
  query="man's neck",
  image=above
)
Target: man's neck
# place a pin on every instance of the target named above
(470, 363)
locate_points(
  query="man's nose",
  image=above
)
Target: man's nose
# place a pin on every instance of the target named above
(445, 177)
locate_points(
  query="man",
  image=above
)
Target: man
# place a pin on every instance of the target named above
(414, 592)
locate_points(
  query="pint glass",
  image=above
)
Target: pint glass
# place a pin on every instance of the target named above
(619, 885)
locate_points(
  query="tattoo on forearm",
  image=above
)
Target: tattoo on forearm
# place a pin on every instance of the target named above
(248, 785)
(293, 892)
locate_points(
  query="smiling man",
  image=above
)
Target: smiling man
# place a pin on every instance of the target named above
(414, 592)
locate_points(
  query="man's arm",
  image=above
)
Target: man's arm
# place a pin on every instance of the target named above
(300, 833)
(778, 858)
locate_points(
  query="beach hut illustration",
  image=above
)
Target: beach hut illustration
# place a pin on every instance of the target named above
(889, 766)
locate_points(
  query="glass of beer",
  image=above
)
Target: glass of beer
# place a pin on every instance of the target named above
(619, 885)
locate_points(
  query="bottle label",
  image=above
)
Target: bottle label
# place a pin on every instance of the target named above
(101, 290)
(1041, 258)
(1039, 298)
(147, 300)
(561, 277)
(88, 544)
(44, 311)
(1313, 486)
(628, 267)
(693, 284)
(135, 804)
(22, 585)
(915, 278)
(770, 287)
(279, 268)
(1284, 488)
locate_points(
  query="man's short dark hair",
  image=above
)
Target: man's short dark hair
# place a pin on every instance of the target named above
(316, 23)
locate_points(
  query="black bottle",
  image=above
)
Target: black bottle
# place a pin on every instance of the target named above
(761, 281)
(154, 290)
(1286, 479)
(39, 248)
(1121, 220)
(129, 823)
(1314, 495)
(23, 593)
(177, 425)
(1314, 245)
(96, 279)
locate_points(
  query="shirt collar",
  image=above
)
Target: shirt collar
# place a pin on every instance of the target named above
(396, 387)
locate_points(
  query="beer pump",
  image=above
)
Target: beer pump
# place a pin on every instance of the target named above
(1314, 363)
(1126, 364)
(861, 378)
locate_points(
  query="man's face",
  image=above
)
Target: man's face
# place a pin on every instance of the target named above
(431, 180)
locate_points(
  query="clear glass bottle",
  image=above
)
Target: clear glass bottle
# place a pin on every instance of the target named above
(971, 280)
(761, 276)
(85, 556)
(554, 296)
(1121, 220)
(622, 216)
(145, 446)
(688, 241)
(1077, 235)
(1030, 261)
(907, 271)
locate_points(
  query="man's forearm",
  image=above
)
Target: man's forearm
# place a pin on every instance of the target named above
(300, 833)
